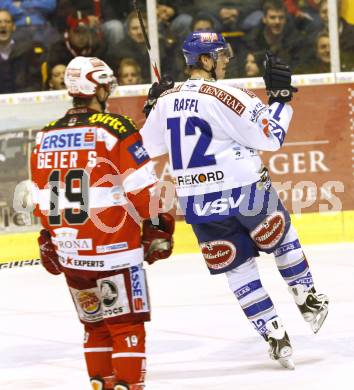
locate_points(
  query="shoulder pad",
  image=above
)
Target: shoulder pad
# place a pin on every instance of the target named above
(120, 125)
(248, 92)
(172, 90)
(225, 97)
(50, 125)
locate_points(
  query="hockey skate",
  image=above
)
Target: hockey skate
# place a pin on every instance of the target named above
(313, 306)
(97, 383)
(280, 347)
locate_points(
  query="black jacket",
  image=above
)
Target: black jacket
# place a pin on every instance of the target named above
(21, 72)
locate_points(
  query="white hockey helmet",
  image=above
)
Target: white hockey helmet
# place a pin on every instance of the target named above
(84, 74)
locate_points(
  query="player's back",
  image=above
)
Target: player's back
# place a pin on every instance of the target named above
(196, 119)
(80, 165)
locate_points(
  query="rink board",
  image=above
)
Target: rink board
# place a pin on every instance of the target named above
(313, 228)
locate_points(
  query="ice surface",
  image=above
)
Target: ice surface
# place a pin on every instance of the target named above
(198, 337)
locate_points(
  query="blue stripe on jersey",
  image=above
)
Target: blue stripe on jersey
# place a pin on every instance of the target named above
(248, 289)
(295, 270)
(258, 307)
(285, 248)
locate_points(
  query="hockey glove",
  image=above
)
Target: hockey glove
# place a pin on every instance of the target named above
(277, 78)
(158, 239)
(47, 253)
(155, 91)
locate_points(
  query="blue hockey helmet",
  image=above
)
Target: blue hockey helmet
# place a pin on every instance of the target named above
(203, 42)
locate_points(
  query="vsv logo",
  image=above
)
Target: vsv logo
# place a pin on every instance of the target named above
(217, 206)
(70, 139)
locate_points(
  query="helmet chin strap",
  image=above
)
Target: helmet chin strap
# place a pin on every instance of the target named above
(102, 103)
(212, 71)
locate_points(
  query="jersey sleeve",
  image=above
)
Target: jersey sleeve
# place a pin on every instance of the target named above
(152, 133)
(260, 126)
(136, 169)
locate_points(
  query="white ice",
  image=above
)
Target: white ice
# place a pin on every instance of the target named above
(198, 337)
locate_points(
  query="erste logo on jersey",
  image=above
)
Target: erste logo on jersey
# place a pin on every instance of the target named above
(68, 139)
(138, 286)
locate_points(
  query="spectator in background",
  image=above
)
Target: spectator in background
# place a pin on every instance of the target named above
(245, 14)
(78, 40)
(55, 81)
(108, 15)
(32, 19)
(323, 53)
(253, 65)
(169, 43)
(165, 11)
(305, 14)
(202, 22)
(133, 46)
(129, 72)
(320, 60)
(346, 36)
(275, 34)
(20, 60)
(180, 25)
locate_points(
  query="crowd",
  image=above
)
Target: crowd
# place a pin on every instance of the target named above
(38, 39)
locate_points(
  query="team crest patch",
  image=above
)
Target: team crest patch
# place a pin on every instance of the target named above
(138, 152)
(268, 234)
(218, 254)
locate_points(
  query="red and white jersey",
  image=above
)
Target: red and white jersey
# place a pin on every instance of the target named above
(92, 175)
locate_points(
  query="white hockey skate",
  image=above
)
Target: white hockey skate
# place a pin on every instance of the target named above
(280, 347)
(313, 306)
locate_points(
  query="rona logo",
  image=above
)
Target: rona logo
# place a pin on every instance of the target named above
(217, 206)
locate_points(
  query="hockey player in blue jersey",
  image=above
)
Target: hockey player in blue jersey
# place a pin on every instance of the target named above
(213, 134)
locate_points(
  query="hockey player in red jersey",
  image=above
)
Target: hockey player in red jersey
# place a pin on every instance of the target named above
(94, 184)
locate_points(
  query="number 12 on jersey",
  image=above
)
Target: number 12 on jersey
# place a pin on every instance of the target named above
(199, 158)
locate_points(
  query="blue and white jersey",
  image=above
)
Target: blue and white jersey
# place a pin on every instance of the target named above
(213, 134)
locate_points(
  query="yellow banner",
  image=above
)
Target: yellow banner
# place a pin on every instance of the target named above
(348, 10)
(313, 228)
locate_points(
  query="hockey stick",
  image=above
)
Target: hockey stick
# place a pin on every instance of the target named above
(147, 42)
(19, 264)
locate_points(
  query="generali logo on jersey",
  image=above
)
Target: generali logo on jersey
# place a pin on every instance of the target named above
(224, 97)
